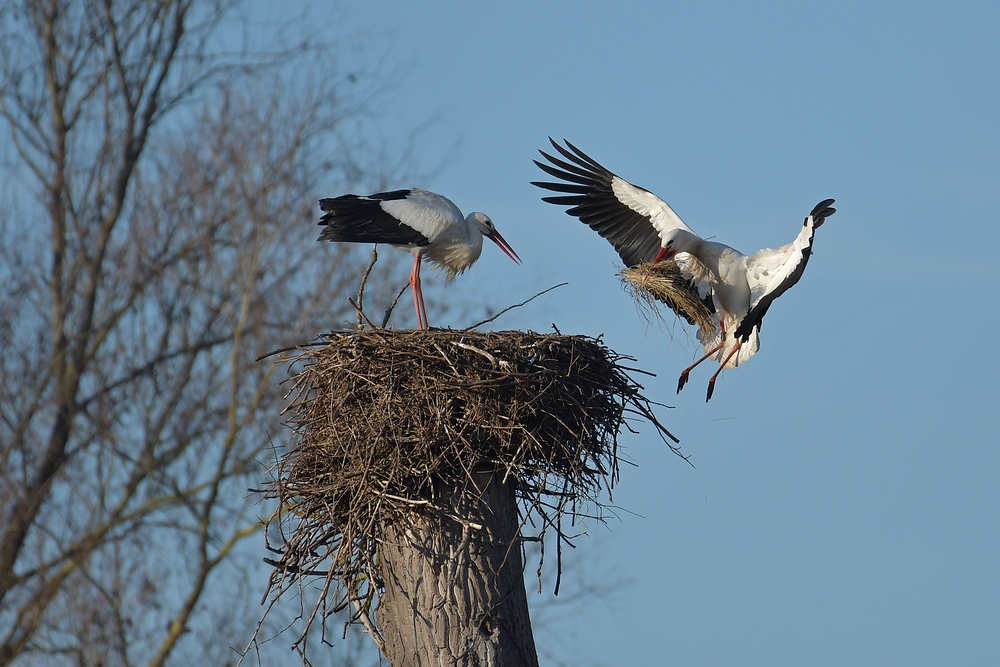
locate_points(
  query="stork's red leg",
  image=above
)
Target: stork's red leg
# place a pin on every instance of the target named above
(418, 295)
(711, 380)
(684, 373)
(423, 310)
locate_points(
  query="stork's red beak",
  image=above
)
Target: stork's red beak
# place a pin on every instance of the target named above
(664, 253)
(499, 240)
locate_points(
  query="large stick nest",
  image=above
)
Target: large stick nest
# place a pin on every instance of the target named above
(390, 423)
(663, 282)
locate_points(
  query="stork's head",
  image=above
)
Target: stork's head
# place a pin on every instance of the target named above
(675, 241)
(482, 222)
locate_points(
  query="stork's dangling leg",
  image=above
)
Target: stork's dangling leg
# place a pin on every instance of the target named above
(711, 380)
(418, 295)
(684, 373)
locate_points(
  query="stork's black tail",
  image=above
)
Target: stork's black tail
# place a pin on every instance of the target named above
(821, 212)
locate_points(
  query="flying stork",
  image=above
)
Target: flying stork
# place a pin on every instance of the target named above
(643, 228)
(425, 223)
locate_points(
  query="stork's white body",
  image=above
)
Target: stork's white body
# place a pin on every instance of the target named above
(455, 241)
(643, 228)
(719, 270)
(424, 223)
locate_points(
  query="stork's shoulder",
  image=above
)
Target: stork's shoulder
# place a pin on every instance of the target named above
(645, 203)
(429, 199)
(428, 212)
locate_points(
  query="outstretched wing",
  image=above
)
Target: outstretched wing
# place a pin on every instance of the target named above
(772, 271)
(632, 218)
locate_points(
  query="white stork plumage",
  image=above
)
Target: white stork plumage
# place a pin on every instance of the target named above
(426, 224)
(643, 228)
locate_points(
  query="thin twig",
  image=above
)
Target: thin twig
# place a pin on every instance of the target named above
(361, 313)
(361, 287)
(388, 312)
(369, 626)
(289, 348)
(516, 305)
(473, 348)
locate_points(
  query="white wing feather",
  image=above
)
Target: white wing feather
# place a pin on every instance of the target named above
(769, 268)
(694, 270)
(645, 203)
(427, 212)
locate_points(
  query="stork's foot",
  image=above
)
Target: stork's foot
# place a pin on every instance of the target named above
(682, 380)
(722, 366)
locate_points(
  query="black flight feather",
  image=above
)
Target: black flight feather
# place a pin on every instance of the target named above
(358, 219)
(593, 201)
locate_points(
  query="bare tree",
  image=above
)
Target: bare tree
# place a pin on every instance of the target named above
(155, 239)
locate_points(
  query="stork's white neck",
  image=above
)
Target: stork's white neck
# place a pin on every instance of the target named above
(692, 243)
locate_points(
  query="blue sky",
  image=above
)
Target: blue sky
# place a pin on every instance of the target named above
(844, 505)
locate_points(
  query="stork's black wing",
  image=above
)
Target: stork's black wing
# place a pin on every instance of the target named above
(632, 218)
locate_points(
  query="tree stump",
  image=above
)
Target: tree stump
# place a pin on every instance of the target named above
(454, 591)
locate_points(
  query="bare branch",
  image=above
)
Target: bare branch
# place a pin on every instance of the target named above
(360, 306)
(392, 306)
(516, 305)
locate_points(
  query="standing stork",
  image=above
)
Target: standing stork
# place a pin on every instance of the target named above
(428, 225)
(643, 228)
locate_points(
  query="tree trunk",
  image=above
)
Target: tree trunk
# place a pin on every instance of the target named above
(454, 592)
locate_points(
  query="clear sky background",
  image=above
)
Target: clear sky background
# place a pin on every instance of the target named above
(844, 505)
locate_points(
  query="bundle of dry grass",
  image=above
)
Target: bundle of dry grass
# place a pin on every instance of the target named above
(390, 424)
(664, 282)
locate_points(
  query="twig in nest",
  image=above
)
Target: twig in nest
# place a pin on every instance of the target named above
(388, 312)
(287, 348)
(361, 286)
(516, 305)
(361, 314)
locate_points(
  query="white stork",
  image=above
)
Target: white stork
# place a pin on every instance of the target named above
(643, 228)
(425, 223)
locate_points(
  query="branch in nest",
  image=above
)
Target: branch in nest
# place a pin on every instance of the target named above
(361, 288)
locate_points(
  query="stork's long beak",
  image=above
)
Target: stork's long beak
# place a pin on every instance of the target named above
(664, 253)
(499, 240)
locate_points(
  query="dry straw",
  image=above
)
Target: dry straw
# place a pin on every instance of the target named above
(663, 282)
(389, 425)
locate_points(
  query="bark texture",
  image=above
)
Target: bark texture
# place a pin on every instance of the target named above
(454, 592)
